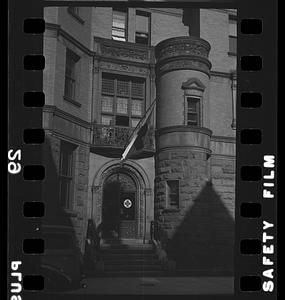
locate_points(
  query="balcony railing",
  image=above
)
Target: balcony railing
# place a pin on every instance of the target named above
(118, 137)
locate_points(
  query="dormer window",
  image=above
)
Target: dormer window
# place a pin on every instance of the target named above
(193, 94)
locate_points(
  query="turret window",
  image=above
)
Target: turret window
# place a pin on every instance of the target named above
(172, 188)
(193, 111)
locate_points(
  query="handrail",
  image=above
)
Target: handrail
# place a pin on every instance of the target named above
(160, 239)
(92, 246)
(157, 233)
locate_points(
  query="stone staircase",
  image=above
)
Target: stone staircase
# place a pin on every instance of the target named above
(130, 258)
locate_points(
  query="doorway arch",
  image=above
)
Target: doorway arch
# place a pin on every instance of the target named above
(133, 172)
(120, 206)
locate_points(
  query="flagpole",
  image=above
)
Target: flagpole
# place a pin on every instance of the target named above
(133, 136)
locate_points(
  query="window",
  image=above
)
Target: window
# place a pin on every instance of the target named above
(66, 174)
(172, 187)
(70, 74)
(119, 26)
(142, 28)
(232, 36)
(193, 111)
(74, 10)
(122, 100)
(75, 13)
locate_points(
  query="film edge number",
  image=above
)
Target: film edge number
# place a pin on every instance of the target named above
(14, 167)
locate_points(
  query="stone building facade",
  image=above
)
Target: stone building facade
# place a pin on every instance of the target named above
(104, 67)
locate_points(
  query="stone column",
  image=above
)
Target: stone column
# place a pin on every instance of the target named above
(182, 150)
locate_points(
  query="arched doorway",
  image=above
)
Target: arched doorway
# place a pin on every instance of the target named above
(120, 206)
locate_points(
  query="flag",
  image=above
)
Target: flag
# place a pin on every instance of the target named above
(136, 140)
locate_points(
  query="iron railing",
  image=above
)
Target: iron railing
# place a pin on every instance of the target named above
(118, 136)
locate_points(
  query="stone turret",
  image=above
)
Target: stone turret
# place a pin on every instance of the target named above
(182, 136)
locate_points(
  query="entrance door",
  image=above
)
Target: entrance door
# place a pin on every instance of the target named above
(119, 211)
(128, 215)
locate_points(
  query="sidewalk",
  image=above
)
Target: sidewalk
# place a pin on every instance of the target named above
(157, 286)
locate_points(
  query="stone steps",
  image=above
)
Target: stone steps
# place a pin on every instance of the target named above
(130, 274)
(130, 259)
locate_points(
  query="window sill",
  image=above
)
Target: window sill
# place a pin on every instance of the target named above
(70, 212)
(232, 54)
(75, 16)
(74, 102)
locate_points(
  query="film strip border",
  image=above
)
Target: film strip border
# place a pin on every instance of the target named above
(256, 210)
(256, 154)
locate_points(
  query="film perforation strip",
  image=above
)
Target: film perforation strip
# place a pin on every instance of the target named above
(34, 26)
(252, 137)
(34, 209)
(33, 246)
(250, 246)
(250, 210)
(33, 136)
(251, 26)
(34, 99)
(251, 100)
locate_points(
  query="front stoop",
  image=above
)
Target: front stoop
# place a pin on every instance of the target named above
(127, 259)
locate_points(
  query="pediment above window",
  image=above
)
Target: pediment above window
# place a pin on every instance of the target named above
(193, 84)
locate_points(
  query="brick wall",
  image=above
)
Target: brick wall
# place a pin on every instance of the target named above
(164, 26)
(160, 20)
(214, 26)
(220, 112)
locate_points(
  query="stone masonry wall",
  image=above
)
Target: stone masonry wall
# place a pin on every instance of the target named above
(190, 168)
(76, 215)
(80, 193)
(223, 180)
(200, 234)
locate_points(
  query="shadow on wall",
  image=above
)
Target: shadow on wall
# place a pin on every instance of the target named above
(61, 261)
(204, 241)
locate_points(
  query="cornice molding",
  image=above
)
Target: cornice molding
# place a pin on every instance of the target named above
(221, 74)
(60, 113)
(69, 37)
(183, 128)
(226, 139)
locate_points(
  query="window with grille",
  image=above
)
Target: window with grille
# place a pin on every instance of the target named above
(142, 28)
(70, 74)
(66, 174)
(193, 111)
(122, 100)
(232, 36)
(119, 25)
(172, 187)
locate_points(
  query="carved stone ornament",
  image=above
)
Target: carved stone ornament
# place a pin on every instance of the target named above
(193, 84)
(95, 188)
(123, 67)
(183, 65)
(129, 53)
(182, 46)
